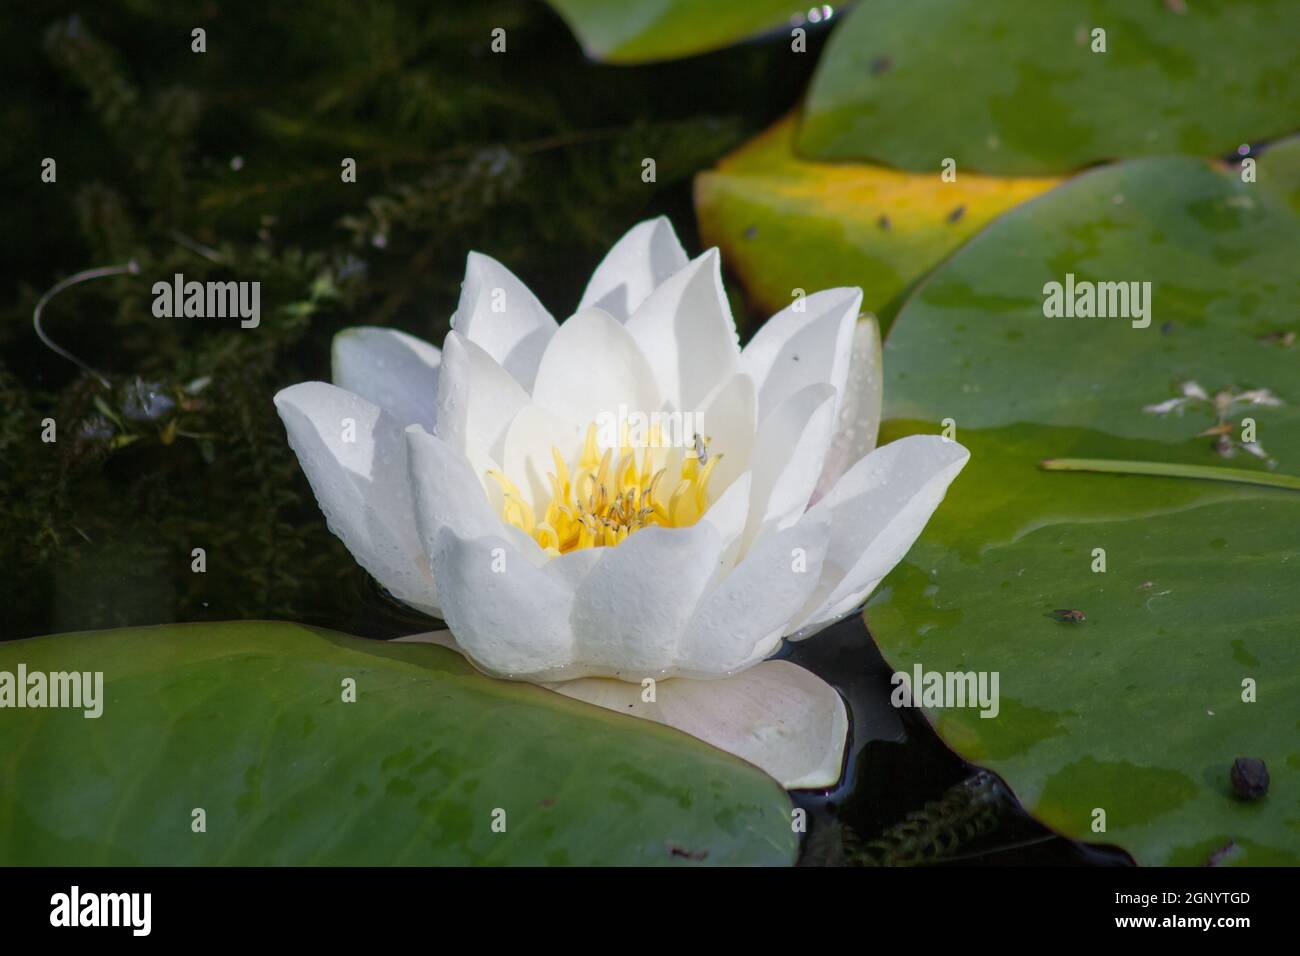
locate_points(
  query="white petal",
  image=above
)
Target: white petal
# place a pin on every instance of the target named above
(631, 609)
(795, 349)
(728, 514)
(391, 369)
(743, 620)
(858, 419)
(730, 420)
(785, 720)
(526, 455)
(501, 314)
(590, 368)
(686, 330)
(447, 493)
(354, 456)
(876, 512)
(638, 263)
(510, 617)
(574, 567)
(477, 400)
(788, 455)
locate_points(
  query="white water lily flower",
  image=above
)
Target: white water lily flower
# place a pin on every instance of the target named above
(629, 494)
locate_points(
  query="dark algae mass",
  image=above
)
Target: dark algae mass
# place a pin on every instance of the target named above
(226, 164)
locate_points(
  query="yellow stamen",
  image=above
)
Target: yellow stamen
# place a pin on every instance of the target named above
(607, 496)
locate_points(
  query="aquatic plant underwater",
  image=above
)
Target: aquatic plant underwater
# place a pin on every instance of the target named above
(363, 552)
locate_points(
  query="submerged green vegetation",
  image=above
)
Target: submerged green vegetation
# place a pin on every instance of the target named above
(226, 165)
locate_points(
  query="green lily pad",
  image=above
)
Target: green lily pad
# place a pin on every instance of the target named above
(645, 31)
(1013, 86)
(1283, 160)
(247, 721)
(785, 223)
(1136, 710)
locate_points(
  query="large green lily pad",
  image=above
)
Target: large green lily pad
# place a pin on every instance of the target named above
(247, 721)
(1138, 710)
(644, 31)
(785, 223)
(1283, 179)
(1013, 86)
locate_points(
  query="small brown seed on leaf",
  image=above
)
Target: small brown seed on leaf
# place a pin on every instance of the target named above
(1069, 615)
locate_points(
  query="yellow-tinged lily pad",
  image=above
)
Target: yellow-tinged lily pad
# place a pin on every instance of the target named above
(785, 223)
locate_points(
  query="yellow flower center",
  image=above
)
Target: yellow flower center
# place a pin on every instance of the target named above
(607, 498)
